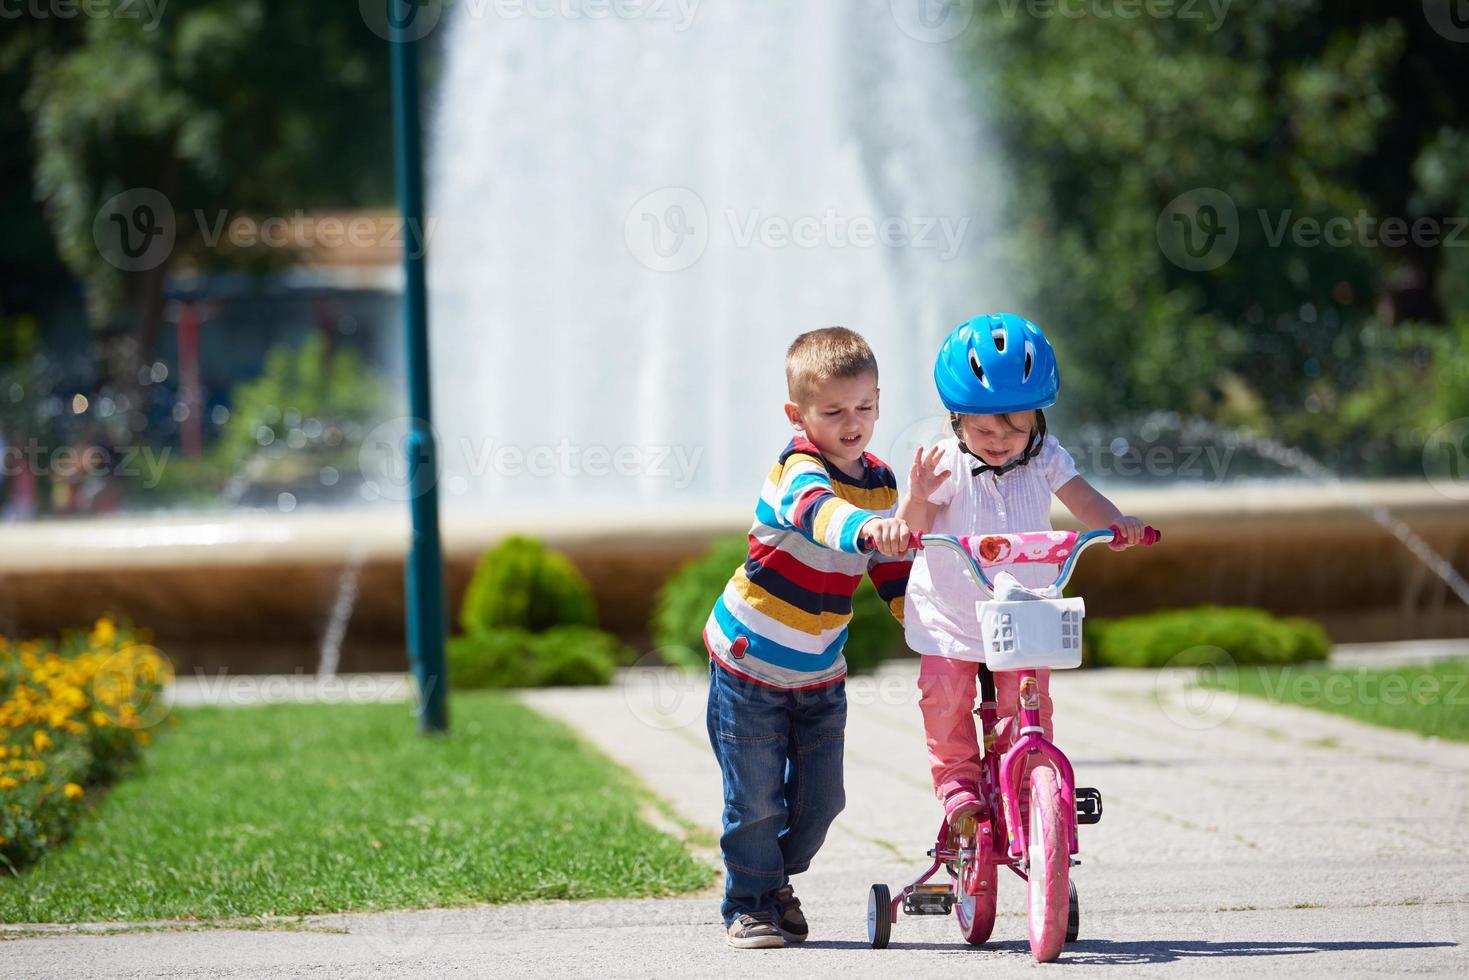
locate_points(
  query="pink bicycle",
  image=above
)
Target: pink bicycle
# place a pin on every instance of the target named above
(1036, 818)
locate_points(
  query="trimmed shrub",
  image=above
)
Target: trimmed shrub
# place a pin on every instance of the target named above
(684, 602)
(559, 657)
(491, 658)
(1196, 636)
(576, 656)
(520, 584)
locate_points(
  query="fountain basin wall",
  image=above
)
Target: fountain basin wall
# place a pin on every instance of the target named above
(254, 593)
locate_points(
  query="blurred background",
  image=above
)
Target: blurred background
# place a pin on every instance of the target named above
(1242, 224)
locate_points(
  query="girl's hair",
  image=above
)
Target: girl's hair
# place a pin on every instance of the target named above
(1032, 415)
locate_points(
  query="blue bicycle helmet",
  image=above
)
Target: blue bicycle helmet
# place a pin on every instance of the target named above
(996, 364)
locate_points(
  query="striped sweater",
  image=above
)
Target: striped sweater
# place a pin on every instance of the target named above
(782, 619)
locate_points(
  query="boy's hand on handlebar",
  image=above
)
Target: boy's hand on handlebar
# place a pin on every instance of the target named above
(888, 535)
(1131, 532)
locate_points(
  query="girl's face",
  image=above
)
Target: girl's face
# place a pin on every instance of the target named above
(997, 439)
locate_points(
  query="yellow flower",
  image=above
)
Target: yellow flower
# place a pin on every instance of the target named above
(99, 720)
(73, 791)
(104, 632)
(41, 740)
(144, 738)
(8, 782)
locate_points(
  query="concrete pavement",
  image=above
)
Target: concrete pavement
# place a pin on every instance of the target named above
(1239, 839)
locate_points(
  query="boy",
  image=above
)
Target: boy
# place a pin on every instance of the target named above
(777, 698)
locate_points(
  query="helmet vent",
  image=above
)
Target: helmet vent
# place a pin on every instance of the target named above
(998, 336)
(974, 365)
(1029, 361)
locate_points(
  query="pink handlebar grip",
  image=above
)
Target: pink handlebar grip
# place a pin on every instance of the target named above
(915, 541)
(1151, 535)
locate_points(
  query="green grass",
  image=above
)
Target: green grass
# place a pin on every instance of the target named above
(1430, 699)
(298, 809)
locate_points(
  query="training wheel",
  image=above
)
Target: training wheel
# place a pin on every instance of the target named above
(879, 916)
(1073, 913)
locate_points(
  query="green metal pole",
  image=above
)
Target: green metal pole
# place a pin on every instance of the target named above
(424, 572)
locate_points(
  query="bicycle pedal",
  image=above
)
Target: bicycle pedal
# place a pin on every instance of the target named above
(929, 900)
(1088, 805)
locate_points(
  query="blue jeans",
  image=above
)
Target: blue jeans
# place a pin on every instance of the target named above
(780, 753)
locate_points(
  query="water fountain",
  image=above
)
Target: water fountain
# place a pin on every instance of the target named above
(636, 215)
(631, 217)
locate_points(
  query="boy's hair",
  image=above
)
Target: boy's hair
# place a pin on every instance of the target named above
(825, 354)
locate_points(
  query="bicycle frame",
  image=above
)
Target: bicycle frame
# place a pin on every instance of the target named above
(1032, 737)
(1000, 777)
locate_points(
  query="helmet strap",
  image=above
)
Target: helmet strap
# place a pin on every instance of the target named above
(1032, 447)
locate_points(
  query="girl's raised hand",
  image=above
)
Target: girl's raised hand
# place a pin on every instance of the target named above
(922, 478)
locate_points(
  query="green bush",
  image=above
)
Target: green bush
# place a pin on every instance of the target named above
(563, 656)
(520, 584)
(493, 658)
(1197, 636)
(684, 602)
(576, 656)
(304, 380)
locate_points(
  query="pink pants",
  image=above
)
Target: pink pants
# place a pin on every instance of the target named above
(947, 688)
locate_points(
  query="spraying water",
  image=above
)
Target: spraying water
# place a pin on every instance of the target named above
(1299, 461)
(633, 216)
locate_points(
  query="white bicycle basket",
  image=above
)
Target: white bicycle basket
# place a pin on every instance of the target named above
(1032, 634)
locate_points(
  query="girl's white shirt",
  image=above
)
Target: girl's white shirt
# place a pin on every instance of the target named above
(939, 616)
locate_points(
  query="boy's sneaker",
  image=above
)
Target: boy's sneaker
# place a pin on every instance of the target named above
(754, 932)
(792, 922)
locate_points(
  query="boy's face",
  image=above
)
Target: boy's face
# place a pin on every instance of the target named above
(994, 438)
(837, 415)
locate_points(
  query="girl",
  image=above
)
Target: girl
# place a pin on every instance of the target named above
(995, 374)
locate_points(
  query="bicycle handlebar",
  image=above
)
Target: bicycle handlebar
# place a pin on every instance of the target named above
(1039, 547)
